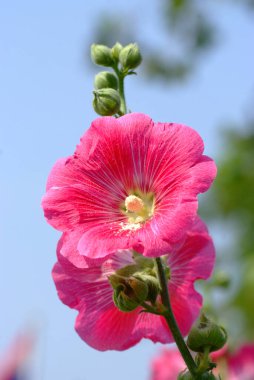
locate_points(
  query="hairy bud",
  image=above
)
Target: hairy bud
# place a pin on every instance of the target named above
(206, 334)
(129, 293)
(130, 57)
(116, 49)
(102, 55)
(105, 79)
(106, 101)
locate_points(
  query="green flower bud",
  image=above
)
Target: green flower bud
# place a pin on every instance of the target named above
(105, 79)
(130, 57)
(102, 55)
(122, 301)
(206, 334)
(129, 293)
(106, 101)
(116, 51)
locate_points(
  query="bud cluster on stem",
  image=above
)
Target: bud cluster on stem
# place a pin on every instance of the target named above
(109, 98)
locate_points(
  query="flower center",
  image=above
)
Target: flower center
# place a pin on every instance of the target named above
(138, 208)
(134, 203)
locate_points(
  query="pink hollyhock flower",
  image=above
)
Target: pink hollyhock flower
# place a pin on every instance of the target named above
(230, 366)
(131, 184)
(87, 289)
(14, 359)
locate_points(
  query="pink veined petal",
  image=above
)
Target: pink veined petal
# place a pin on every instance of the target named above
(193, 261)
(110, 239)
(79, 267)
(62, 206)
(99, 322)
(61, 174)
(115, 158)
(186, 304)
(65, 171)
(84, 283)
(195, 258)
(109, 329)
(202, 175)
(153, 327)
(86, 288)
(69, 289)
(67, 250)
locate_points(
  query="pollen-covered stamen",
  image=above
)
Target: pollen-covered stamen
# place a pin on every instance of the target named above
(138, 207)
(134, 204)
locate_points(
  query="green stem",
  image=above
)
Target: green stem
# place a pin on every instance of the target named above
(170, 319)
(204, 362)
(121, 77)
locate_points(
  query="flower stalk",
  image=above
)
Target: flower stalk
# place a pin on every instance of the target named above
(121, 76)
(170, 319)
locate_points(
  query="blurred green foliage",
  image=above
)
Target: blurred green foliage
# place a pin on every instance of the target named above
(232, 196)
(232, 201)
(187, 27)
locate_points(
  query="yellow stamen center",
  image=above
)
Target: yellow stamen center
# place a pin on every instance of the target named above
(134, 204)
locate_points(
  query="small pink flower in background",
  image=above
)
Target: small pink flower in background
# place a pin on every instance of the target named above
(238, 365)
(13, 360)
(167, 365)
(131, 184)
(87, 289)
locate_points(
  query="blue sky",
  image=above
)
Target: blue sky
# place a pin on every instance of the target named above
(45, 101)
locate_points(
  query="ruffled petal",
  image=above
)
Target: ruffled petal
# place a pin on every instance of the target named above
(108, 329)
(99, 322)
(192, 261)
(63, 207)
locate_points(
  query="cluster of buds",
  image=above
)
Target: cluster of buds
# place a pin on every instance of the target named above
(108, 86)
(136, 284)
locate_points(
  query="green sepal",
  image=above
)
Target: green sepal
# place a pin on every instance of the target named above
(129, 293)
(122, 301)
